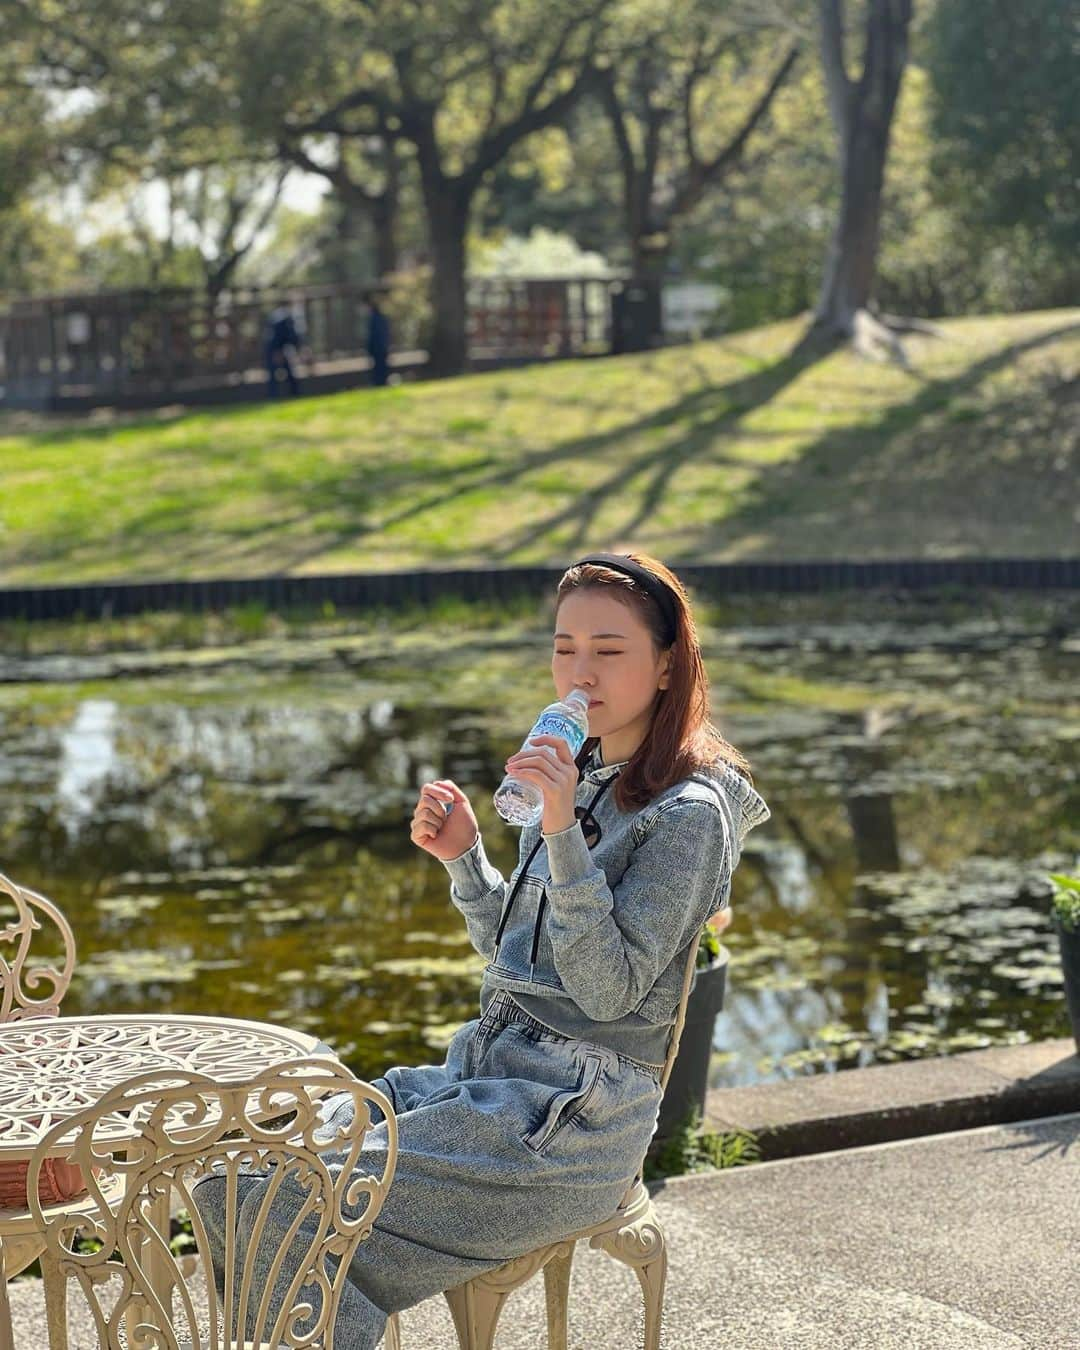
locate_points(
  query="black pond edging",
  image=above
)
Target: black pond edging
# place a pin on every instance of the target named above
(364, 590)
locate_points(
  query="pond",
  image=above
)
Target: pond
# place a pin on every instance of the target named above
(227, 826)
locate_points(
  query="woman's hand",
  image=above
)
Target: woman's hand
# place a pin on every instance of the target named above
(555, 774)
(443, 833)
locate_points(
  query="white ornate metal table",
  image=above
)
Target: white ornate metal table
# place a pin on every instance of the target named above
(53, 1067)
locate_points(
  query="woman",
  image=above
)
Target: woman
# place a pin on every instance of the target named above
(542, 1112)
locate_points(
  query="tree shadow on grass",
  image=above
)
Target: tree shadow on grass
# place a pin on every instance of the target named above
(771, 509)
(715, 412)
(692, 427)
(709, 410)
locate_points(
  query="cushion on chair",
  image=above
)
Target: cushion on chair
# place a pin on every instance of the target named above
(59, 1180)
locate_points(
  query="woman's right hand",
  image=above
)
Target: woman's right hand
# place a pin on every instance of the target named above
(438, 833)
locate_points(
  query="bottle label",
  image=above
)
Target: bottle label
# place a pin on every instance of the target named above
(558, 724)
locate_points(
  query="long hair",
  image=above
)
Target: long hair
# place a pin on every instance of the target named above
(681, 739)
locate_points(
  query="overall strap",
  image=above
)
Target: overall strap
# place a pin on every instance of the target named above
(521, 877)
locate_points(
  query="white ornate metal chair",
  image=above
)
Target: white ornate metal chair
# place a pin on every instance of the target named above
(30, 986)
(19, 978)
(632, 1235)
(188, 1128)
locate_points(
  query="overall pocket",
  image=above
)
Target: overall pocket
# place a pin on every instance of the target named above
(565, 1105)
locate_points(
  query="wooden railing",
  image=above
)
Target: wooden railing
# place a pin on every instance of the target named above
(165, 343)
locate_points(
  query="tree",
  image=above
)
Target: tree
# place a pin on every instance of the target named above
(364, 171)
(1006, 135)
(142, 94)
(463, 82)
(862, 113)
(660, 96)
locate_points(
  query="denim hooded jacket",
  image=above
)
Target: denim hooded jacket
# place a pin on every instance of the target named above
(596, 941)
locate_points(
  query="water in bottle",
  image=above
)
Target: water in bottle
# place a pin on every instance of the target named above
(521, 803)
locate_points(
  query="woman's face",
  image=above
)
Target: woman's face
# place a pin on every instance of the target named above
(603, 646)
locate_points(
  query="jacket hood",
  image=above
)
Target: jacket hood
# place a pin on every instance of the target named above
(746, 806)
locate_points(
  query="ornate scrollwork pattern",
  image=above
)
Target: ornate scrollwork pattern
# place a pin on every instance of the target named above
(635, 1244)
(29, 989)
(52, 1069)
(257, 1137)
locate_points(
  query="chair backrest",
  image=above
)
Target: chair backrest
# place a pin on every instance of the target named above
(674, 1037)
(21, 975)
(680, 1018)
(185, 1128)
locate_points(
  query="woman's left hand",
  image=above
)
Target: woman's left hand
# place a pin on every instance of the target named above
(556, 775)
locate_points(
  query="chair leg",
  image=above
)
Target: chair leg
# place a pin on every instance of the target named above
(54, 1286)
(652, 1277)
(475, 1310)
(7, 1335)
(392, 1335)
(557, 1296)
(642, 1246)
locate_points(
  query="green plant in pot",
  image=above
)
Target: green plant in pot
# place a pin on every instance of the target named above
(689, 1080)
(1065, 913)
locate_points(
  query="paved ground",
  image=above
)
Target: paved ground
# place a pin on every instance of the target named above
(962, 1241)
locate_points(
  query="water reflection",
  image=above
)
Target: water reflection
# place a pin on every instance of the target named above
(236, 840)
(87, 756)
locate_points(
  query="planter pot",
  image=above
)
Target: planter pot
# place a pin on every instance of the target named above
(689, 1079)
(1070, 964)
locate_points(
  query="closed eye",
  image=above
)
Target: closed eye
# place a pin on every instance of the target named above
(560, 653)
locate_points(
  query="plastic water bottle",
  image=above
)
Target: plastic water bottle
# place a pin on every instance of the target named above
(521, 803)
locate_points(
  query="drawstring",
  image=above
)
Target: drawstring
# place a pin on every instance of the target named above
(543, 897)
(543, 894)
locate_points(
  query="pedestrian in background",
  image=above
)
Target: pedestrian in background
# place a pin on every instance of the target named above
(282, 346)
(378, 340)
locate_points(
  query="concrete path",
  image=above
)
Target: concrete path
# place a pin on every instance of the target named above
(960, 1241)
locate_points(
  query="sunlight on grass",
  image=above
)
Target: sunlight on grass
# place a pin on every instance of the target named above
(721, 450)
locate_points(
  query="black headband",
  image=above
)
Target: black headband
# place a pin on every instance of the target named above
(660, 591)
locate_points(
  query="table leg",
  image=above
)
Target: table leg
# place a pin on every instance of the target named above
(7, 1335)
(159, 1270)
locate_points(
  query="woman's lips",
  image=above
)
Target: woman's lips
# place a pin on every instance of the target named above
(595, 702)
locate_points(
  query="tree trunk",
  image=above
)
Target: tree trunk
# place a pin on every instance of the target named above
(862, 112)
(447, 209)
(649, 252)
(384, 223)
(852, 262)
(384, 211)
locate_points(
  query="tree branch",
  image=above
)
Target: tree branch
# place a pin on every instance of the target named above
(609, 96)
(333, 173)
(701, 175)
(330, 122)
(532, 116)
(838, 84)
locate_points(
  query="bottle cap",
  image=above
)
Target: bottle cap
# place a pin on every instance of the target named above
(579, 696)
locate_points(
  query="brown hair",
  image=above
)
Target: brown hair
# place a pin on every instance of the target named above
(681, 739)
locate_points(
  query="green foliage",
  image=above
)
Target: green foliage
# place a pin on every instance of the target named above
(210, 101)
(38, 254)
(1005, 140)
(1066, 900)
(182, 1235)
(691, 1148)
(709, 947)
(545, 253)
(1004, 114)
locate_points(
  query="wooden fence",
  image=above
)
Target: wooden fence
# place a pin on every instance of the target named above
(167, 344)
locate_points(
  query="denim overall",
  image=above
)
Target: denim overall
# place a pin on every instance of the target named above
(520, 1137)
(540, 1116)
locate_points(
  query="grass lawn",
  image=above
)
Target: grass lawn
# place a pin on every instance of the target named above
(730, 449)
